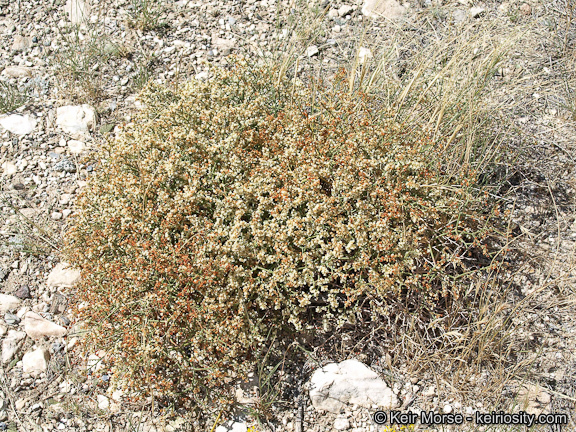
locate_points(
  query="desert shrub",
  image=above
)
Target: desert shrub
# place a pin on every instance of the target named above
(245, 205)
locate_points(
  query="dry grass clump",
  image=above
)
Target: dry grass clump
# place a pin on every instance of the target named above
(245, 205)
(12, 96)
(83, 60)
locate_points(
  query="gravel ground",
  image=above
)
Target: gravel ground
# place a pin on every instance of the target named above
(98, 69)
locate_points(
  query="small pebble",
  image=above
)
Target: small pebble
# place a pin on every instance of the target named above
(23, 292)
(312, 51)
(11, 319)
(57, 347)
(66, 166)
(526, 9)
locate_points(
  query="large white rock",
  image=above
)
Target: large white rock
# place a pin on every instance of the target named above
(387, 9)
(77, 120)
(63, 276)
(11, 344)
(233, 427)
(35, 362)
(19, 124)
(8, 302)
(350, 382)
(37, 327)
(77, 10)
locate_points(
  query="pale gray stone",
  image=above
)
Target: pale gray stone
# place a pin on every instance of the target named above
(11, 319)
(459, 16)
(94, 362)
(21, 43)
(65, 165)
(364, 54)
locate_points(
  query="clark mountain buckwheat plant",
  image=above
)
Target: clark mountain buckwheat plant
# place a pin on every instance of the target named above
(246, 206)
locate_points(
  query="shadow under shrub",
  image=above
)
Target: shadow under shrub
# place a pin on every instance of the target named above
(240, 206)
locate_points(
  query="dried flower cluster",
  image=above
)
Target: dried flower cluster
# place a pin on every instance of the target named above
(238, 205)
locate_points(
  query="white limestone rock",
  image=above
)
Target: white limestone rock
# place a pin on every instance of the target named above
(8, 302)
(364, 54)
(233, 427)
(9, 168)
(475, 12)
(225, 46)
(35, 362)
(19, 124)
(312, 50)
(387, 9)
(103, 402)
(345, 10)
(76, 147)
(11, 344)
(37, 327)
(77, 11)
(341, 423)
(17, 72)
(350, 382)
(21, 43)
(63, 276)
(76, 120)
